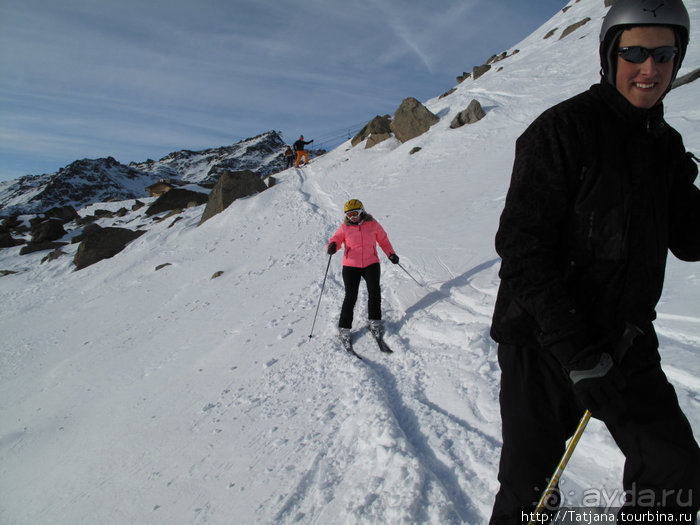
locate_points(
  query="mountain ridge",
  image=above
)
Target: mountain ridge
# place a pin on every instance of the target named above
(88, 181)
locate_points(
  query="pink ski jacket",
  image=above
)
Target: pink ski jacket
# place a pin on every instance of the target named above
(361, 242)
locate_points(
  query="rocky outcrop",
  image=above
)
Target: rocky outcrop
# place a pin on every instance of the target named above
(473, 113)
(412, 119)
(231, 186)
(377, 130)
(46, 230)
(574, 27)
(6, 238)
(176, 199)
(103, 243)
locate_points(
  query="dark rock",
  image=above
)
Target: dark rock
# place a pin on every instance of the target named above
(90, 229)
(377, 130)
(464, 76)
(104, 214)
(47, 230)
(40, 247)
(176, 199)
(52, 256)
(103, 244)
(574, 27)
(473, 113)
(62, 213)
(447, 93)
(480, 70)
(231, 186)
(7, 241)
(411, 120)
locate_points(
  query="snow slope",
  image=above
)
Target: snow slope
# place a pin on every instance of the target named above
(130, 395)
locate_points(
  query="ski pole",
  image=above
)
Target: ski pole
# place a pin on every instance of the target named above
(554, 482)
(405, 270)
(624, 344)
(320, 295)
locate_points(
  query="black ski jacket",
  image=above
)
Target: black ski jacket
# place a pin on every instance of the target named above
(600, 191)
(300, 145)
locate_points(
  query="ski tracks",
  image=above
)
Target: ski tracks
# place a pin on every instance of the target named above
(417, 426)
(430, 409)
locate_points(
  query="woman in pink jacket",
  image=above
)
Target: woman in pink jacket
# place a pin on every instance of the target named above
(360, 233)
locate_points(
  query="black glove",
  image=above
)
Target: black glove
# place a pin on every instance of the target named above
(599, 386)
(595, 373)
(332, 248)
(394, 258)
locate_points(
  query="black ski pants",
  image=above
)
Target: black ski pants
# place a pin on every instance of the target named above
(539, 412)
(352, 277)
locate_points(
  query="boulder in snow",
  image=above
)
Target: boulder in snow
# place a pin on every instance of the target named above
(412, 119)
(473, 113)
(231, 185)
(176, 199)
(377, 130)
(103, 243)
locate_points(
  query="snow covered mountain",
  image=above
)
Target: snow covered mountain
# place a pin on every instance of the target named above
(78, 184)
(263, 154)
(176, 383)
(88, 181)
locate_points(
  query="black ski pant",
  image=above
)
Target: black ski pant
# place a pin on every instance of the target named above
(539, 412)
(352, 277)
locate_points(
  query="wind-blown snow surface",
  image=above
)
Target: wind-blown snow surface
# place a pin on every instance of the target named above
(130, 395)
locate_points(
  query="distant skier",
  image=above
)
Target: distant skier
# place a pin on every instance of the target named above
(360, 233)
(289, 157)
(300, 148)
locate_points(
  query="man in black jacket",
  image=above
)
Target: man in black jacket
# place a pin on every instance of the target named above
(601, 189)
(300, 148)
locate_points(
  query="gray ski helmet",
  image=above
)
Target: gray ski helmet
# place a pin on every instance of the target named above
(630, 13)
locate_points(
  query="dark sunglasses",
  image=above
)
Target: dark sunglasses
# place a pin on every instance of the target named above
(639, 54)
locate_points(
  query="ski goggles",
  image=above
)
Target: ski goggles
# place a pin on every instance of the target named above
(639, 54)
(353, 214)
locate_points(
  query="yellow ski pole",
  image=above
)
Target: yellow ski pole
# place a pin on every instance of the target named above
(554, 482)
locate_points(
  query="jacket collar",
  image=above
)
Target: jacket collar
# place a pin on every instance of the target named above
(651, 120)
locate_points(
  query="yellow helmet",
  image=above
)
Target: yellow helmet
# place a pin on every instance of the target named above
(352, 205)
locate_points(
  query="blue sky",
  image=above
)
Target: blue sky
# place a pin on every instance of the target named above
(138, 79)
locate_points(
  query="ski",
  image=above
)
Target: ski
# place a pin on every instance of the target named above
(379, 338)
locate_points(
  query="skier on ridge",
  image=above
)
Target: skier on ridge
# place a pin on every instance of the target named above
(300, 148)
(360, 233)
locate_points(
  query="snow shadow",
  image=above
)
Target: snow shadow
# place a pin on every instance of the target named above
(443, 292)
